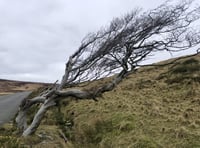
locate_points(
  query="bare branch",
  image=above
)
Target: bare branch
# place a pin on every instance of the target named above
(117, 50)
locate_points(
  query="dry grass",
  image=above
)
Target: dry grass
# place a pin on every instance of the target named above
(9, 87)
(144, 111)
(140, 112)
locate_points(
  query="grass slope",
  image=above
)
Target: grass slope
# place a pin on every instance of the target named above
(155, 107)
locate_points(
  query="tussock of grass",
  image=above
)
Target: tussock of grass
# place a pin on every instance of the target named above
(185, 72)
(99, 130)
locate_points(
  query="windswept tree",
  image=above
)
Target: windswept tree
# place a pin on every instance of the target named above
(117, 50)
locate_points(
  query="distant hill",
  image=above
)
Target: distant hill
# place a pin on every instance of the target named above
(12, 86)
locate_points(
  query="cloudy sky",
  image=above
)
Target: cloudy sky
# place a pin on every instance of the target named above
(37, 36)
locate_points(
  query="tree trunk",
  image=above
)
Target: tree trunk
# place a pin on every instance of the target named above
(21, 120)
(38, 117)
(49, 102)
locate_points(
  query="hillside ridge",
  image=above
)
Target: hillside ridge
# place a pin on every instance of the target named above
(14, 86)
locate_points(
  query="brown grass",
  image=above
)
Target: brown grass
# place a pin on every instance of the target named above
(144, 111)
(8, 86)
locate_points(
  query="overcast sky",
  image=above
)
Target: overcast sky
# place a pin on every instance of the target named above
(37, 36)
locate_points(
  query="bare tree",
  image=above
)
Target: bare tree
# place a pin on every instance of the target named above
(116, 51)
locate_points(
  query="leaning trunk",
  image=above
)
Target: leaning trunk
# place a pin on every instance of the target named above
(38, 117)
(21, 120)
(49, 102)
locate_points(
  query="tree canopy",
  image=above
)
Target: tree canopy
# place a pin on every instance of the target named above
(130, 39)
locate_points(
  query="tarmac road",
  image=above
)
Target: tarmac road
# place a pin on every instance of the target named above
(9, 105)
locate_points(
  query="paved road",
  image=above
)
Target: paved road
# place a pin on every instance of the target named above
(9, 105)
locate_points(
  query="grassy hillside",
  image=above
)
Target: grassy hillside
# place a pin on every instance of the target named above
(155, 107)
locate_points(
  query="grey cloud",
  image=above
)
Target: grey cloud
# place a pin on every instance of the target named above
(37, 36)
